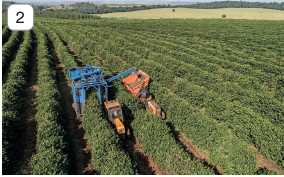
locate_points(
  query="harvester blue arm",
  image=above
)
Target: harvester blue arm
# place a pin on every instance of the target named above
(122, 74)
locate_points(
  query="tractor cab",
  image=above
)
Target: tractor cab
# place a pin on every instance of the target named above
(115, 116)
(115, 113)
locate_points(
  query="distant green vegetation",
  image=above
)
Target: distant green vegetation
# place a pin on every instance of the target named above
(5, 5)
(90, 8)
(64, 15)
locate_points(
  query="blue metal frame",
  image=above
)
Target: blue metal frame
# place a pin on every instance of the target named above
(122, 74)
(86, 77)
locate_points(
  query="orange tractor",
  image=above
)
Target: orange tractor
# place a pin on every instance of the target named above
(115, 116)
(137, 84)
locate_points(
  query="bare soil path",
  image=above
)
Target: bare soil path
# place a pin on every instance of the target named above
(81, 159)
(145, 164)
(28, 139)
(103, 62)
(120, 59)
(193, 149)
(265, 163)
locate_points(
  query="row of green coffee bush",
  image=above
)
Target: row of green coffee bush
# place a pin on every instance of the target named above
(8, 49)
(5, 34)
(262, 103)
(130, 105)
(160, 73)
(51, 157)
(13, 105)
(112, 61)
(108, 154)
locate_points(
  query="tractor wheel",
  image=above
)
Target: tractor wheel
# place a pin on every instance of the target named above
(128, 133)
(123, 137)
(163, 115)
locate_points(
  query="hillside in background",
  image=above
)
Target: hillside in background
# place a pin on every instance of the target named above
(94, 8)
(6, 4)
(91, 8)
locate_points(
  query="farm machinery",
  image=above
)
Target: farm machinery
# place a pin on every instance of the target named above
(84, 78)
(137, 84)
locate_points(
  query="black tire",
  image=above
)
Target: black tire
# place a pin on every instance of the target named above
(123, 137)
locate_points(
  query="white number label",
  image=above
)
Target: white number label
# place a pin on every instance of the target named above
(20, 17)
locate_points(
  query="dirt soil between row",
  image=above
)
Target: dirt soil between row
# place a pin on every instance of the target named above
(265, 163)
(81, 157)
(28, 139)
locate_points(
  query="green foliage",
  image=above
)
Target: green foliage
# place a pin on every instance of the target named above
(4, 21)
(223, 16)
(51, 157)
(66, 58)
(5, 35)
(40, 7)
(8, 49)
(64, 15)
(225, 149)
(131, 105)
(13, 99)
(244, 81)
(159, 142)
(6, 4)
(209, 71)
(160, 75)
(107, 148)
(235, 4)
(266, 172)
(90, 8)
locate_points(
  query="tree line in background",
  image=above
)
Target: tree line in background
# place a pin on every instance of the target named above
(90, 8)
(64, 15)
(5, 5)
(235, 4)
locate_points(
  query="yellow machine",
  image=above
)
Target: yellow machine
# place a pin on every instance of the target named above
(150, 104)
(115, 116)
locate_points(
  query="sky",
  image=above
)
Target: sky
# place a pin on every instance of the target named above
(23, 1)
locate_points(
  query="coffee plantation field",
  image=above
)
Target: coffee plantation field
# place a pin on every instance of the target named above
(220, 83)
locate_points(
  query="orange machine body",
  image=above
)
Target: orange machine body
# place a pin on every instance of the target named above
(134, 84)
